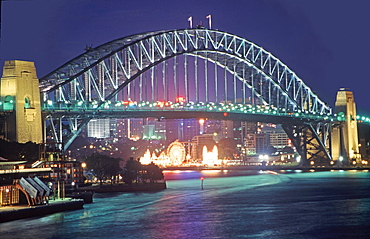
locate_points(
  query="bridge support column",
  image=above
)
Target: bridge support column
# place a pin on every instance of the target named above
(20, 97)
(310, 143)
(345, 107)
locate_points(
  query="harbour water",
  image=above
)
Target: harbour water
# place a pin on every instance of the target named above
(232, 204)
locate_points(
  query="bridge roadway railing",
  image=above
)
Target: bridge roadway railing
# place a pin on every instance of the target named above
(110, 109)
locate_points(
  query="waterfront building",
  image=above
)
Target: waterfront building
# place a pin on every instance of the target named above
(199, 141)
(278, 137)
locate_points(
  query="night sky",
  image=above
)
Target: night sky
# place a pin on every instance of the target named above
(325, 42)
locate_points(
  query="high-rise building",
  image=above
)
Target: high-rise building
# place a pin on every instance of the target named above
(188, 128)
(262, 143)
(121, 128)
(98, 128)
(160, 130)
(173, 130)
(148, 132)
(227, 127)
(278, 137)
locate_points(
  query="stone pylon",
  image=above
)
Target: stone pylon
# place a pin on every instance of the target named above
(345, 136)
(20, 97)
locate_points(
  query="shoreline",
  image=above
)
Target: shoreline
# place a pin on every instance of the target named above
(119, 187)
(12, 213)
(275, 167)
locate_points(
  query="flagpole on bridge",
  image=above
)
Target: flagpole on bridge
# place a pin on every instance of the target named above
(209, 21)
(190, 19)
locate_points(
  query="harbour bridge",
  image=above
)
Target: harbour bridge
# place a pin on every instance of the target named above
(188, 73)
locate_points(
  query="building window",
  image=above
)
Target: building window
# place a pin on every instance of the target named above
(8, 102)
(27, 103)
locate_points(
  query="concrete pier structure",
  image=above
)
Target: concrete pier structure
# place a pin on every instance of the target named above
(345, 136)
(19, 92)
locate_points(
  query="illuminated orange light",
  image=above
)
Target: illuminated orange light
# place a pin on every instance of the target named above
(180, 99)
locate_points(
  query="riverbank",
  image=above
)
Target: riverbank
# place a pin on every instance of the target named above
(119, 187)
(11, 213)
(260, 167)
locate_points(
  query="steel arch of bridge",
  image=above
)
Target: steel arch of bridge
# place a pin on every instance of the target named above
(101, 74)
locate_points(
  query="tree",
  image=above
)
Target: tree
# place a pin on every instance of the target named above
(14, 151)
(103, 166)
(226, 148)
(153, 173)
(135, 171)
(112, 168)
(131, 172)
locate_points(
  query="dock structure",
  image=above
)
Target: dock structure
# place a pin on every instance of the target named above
(11, 213)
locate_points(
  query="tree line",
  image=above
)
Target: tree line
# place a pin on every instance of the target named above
(104, 167)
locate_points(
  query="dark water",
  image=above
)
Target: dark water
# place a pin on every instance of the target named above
(232, 205)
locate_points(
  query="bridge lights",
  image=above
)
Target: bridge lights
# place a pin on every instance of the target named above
(340, 158)
(312, 163)
(180, 99)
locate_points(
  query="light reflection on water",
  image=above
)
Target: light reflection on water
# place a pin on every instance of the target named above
(233, 204)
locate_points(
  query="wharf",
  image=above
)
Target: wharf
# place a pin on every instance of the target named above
(11, 213)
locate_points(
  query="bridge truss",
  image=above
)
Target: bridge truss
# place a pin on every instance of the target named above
(191, 70)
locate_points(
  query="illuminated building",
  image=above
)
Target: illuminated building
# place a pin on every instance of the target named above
(175, 155)
(148, 132)
(278, 137)
(227, 127)
(197, 141)
(98, 128)
(210, 158)
(66, 171)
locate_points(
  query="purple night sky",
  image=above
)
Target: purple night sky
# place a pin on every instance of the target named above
(326, 43)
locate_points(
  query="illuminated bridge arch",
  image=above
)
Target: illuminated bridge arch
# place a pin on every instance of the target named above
(102, 72)
(203, 66)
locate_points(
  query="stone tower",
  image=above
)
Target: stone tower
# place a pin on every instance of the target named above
(345, 137)
(19, 92)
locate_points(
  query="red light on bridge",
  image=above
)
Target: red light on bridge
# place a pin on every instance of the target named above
(226, 114)
(160, 103)
(180, 99)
